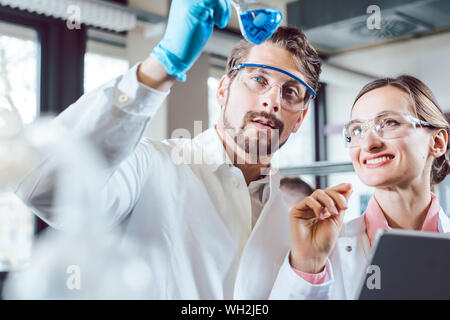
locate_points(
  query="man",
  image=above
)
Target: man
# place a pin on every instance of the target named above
(294, 190)
(215, 228)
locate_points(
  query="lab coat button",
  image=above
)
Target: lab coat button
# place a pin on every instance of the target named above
(348, 248)
(123, 98)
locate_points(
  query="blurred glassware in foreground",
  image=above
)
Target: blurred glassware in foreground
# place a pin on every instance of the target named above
(16, 232)
(257, 20)
(16, 219)
(86, 258)
(16, 155)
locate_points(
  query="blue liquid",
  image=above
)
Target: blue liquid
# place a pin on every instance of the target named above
(260, 24)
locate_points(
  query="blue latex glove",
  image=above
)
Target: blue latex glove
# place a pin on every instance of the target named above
(188, 29)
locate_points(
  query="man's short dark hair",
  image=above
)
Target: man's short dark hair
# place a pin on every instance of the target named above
(296, 184)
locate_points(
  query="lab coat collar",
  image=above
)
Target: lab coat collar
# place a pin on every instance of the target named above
(354, 227)
(214, 154)
(272, 178)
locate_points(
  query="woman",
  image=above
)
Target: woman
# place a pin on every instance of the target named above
(398, 143)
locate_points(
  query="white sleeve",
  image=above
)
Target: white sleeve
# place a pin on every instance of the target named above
(113, 118)
(290, 286)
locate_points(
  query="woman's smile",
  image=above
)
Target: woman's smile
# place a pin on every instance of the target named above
(377, 161)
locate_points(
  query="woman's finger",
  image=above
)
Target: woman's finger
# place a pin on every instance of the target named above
(344, 188)
(309, 203)
(338, 198)
(325, 200)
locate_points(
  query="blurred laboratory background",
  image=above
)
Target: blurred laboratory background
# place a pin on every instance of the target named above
(47, 62)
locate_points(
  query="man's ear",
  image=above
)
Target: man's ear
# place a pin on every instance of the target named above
(300, 119)
(439, 143)
(222, 91)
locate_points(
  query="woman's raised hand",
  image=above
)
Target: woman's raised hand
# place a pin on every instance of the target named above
(315, 223)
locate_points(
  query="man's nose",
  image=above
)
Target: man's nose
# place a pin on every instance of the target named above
(370, 141)
(271, 100)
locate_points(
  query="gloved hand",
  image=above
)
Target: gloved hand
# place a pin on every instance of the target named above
(188, 29)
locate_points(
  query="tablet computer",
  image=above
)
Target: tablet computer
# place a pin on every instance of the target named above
(407, 264)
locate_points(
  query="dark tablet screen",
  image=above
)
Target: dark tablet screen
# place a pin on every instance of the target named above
(408, 265)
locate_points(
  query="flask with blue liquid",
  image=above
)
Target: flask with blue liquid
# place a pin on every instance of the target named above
(257, 20)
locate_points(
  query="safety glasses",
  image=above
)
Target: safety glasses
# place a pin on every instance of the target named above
(258, 78)
(386, 125)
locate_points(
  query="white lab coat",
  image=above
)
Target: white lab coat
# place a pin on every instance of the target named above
(193, 221)
(346, 265)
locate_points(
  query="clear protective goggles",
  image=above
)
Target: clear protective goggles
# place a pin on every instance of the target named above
(386, 125)
(258, 78)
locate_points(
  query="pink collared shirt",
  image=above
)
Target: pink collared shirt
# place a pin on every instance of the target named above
(375, 219)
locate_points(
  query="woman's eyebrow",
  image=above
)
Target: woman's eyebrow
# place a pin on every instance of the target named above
(382, 113)
(356, 121)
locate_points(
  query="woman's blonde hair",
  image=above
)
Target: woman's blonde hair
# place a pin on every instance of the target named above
(425, 107)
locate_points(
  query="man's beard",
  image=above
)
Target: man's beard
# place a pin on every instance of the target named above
(266, 142)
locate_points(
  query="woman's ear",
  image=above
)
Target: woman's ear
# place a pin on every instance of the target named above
(222, 91)
(439, 143)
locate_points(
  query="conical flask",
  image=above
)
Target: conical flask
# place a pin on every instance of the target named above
(257, 20)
